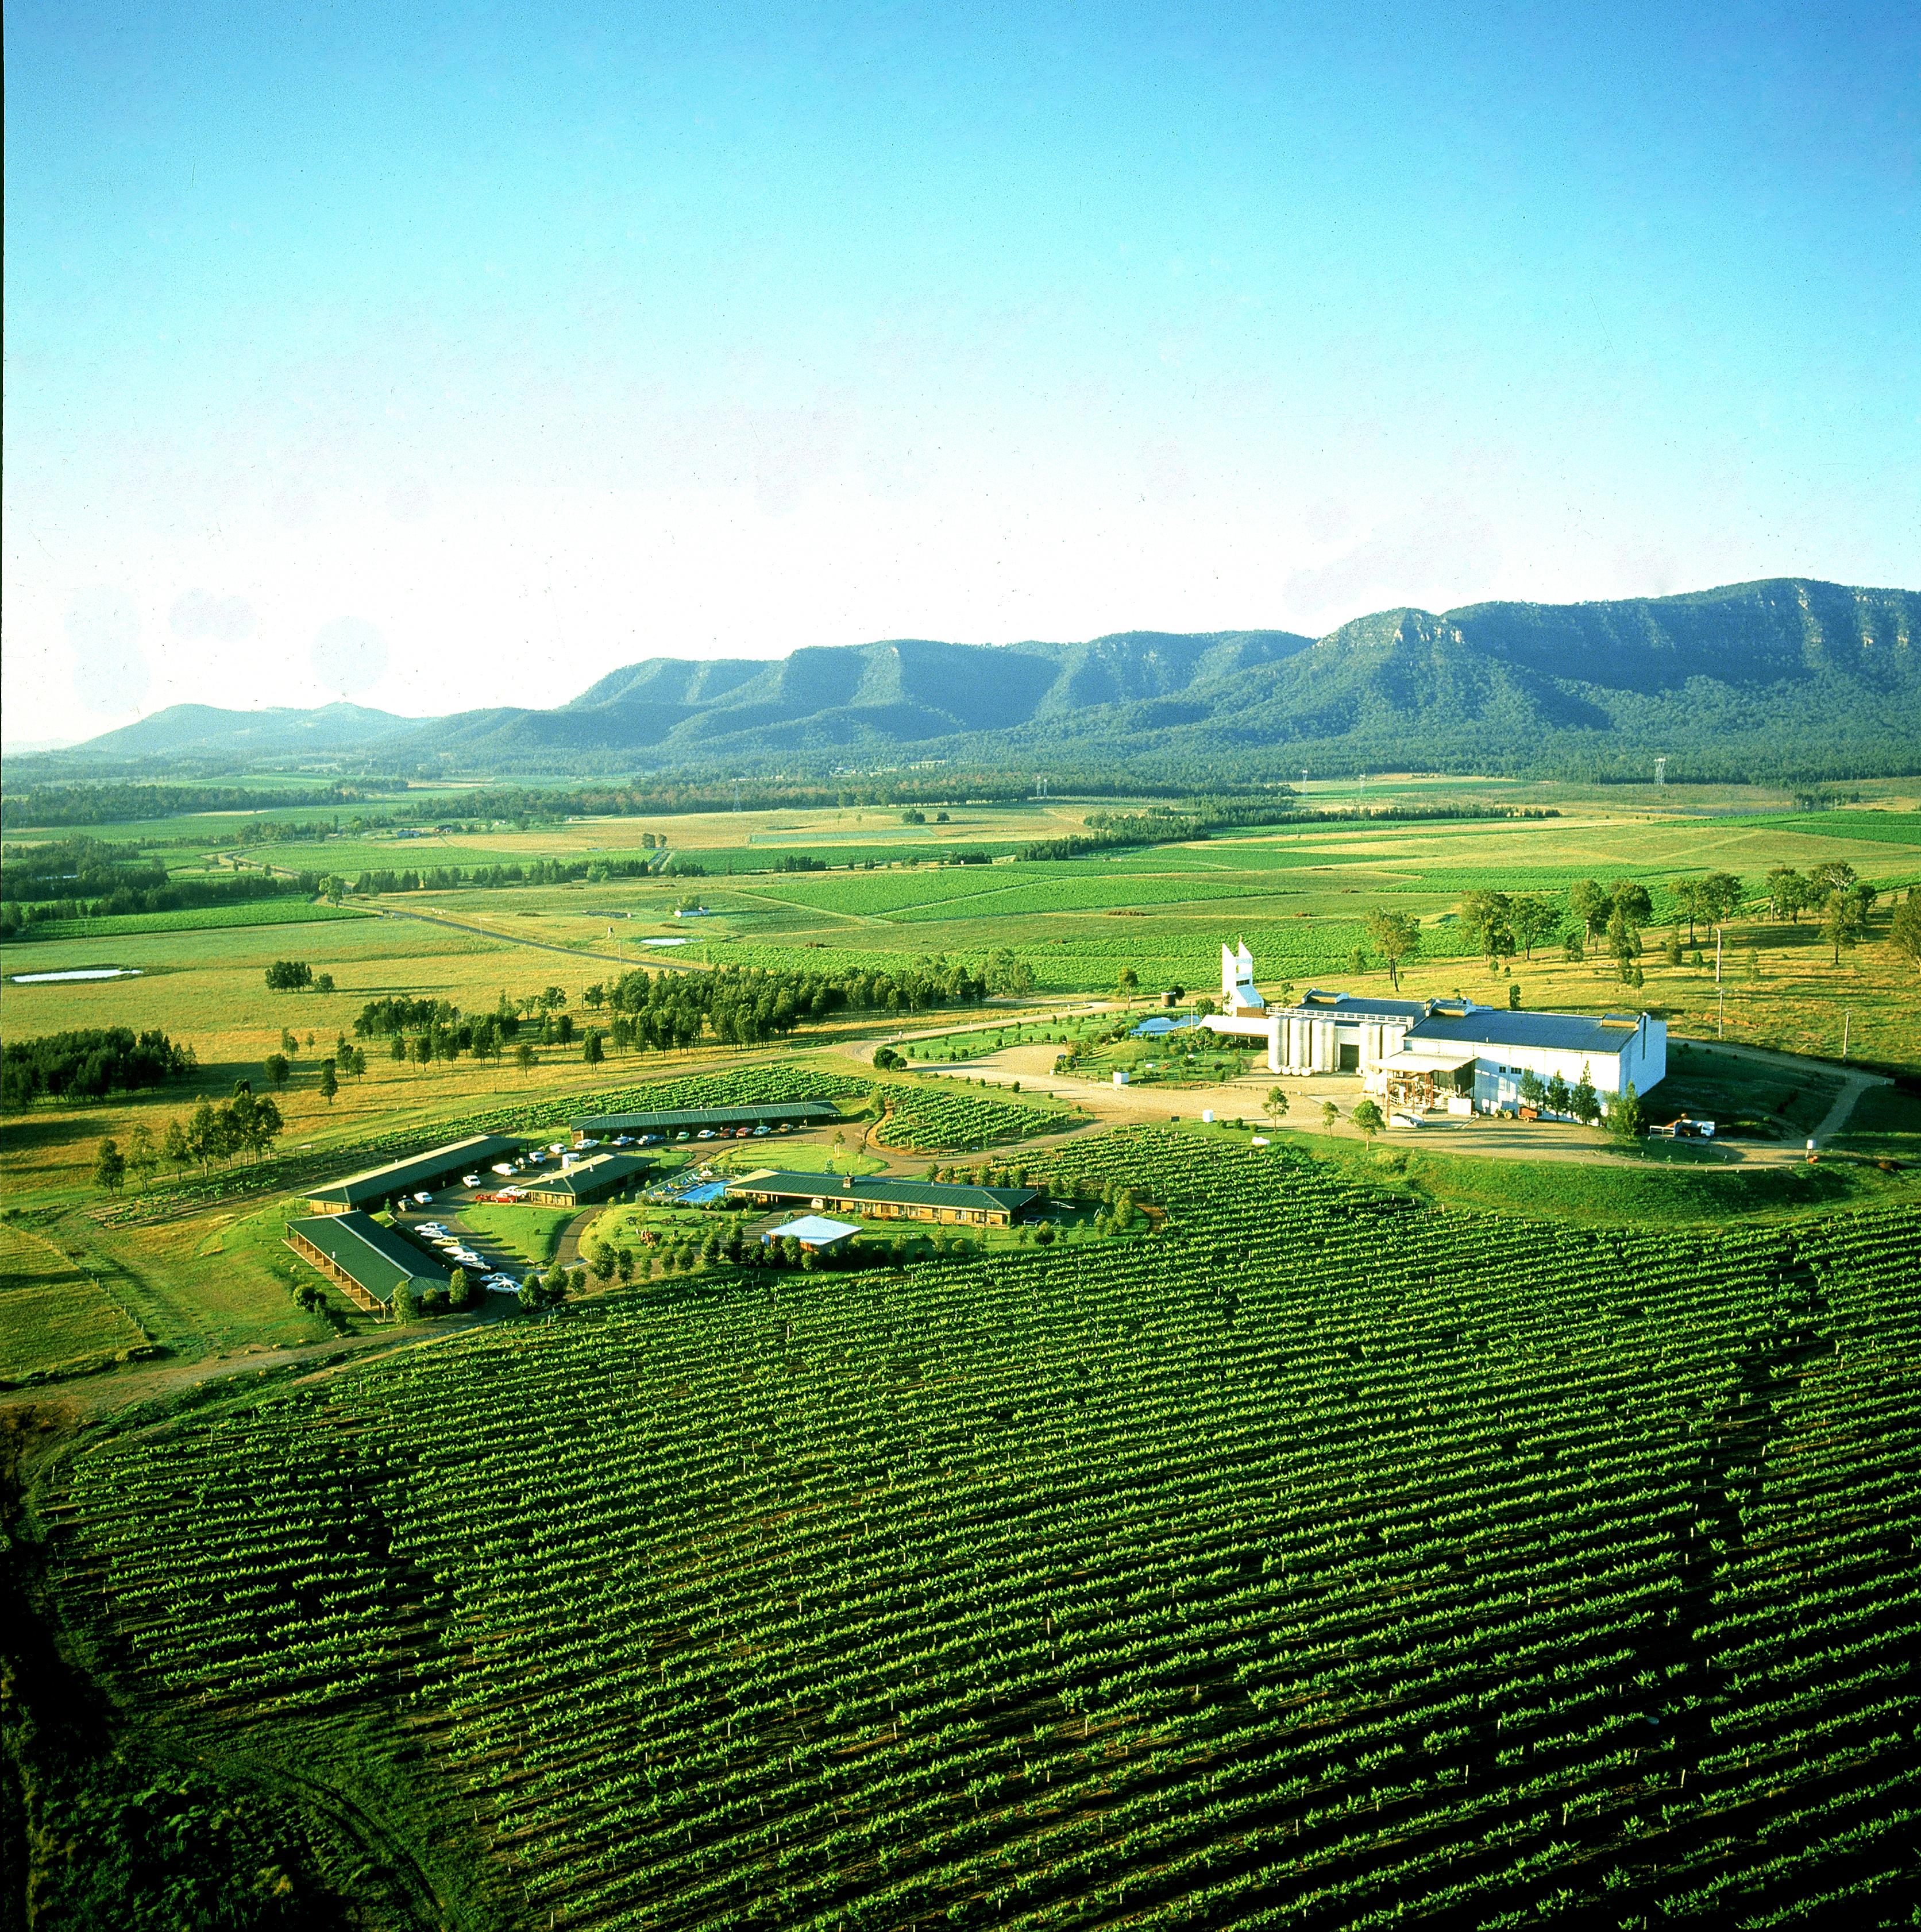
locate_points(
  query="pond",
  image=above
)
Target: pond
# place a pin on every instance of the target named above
(663, 942)
(75, 973)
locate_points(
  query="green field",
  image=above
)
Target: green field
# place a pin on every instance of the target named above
(193, 919)
(54, 1318)
(1565, 1575)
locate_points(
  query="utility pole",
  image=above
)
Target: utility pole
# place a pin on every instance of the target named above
(1717, 955)
(1721, 1015)
(1847, 1021)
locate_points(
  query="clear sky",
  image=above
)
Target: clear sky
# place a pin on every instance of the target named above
(440, 357)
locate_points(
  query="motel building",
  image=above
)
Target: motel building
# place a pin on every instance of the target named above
(1427, 1054)
(882, 1197)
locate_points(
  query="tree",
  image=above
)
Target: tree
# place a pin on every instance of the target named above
(1789, 895)
(1396, 936)
(289, 1044)
(1534, 919)
(289, 976)
(595, 996)
(1583, 1102)
(174, 1145)
(1275, 1105)
(1844, 915)
(278, 1067)
(405, 1303)
(1557, 1097)
(141, 1156)
(1688, 897)
(1627, 1119)
(1592, 904)
(324, 983)
(1490, 917)
(1572, 950)
(1904, 929)
(1721, 894)
(1128, 984)
(110, 1168)
(1329, 1113)
(523, 1057)
(460, 1290)
(592, 1051)
(555, 1286)
(330, 1083)
(1533, 1093)
(1006, 973)
(1624, 942)
(600, 1262)
(333, 888)
(1368, 1118)
(529, 1295)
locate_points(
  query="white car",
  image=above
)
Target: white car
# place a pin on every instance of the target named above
(504, 1169)
(470, 1180)
(423, 1199)
(1398, 1120)
(558, 1147)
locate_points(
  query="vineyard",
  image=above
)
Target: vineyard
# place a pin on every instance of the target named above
(938, 1117)
(194, 919)
(1315, 1560)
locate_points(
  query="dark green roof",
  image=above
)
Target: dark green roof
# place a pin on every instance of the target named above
(865, 1187)
(378, 1184)
(380, 1258)
(759, 1113)
(594, 1175)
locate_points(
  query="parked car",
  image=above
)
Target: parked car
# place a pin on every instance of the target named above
(759, 1132)
(623, 1140)
(470, 1180)
(504, 1168)
(423, 1198)
(707, 1133)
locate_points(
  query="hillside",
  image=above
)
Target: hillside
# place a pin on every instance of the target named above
(1786, 676)
(199, 731)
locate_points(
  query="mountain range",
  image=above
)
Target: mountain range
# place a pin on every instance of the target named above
(1787, 675)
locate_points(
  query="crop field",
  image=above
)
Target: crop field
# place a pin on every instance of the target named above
(195, 918)
(933, 1116)
(1311, 1560)
(55, 1317)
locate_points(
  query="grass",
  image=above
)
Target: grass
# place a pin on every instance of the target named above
(533, 1233)
(798, 1157)
(55, 1317)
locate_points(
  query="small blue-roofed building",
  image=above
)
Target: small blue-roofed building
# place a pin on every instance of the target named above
(813, 1231)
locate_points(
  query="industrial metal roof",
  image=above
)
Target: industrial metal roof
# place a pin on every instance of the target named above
(1319, 1003)
(1605, 1033)
(379, 1259)
(864, 1187)
(380, 1183)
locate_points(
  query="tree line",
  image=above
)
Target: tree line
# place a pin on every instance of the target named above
(88, 1064)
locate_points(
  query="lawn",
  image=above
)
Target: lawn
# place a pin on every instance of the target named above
(55, 1317)
(533, 1233)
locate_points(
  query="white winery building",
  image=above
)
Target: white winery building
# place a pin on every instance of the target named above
(1422, 1052)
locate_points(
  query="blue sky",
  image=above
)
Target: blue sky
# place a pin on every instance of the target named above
(441, 357)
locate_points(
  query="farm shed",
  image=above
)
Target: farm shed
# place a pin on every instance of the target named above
(379, 1185)
(814, 1231)
(1613, 1050)
(880, 1197)
(579, 1181)
(673, 1120)
(369, 1263)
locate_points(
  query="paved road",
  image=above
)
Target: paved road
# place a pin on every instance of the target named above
(542, 945)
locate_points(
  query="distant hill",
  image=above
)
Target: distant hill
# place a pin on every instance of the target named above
(201, 730)
(1786, 676)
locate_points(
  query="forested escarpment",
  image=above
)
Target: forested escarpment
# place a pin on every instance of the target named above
(1785, 678)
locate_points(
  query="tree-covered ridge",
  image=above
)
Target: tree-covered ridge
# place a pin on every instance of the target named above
(1787, 678)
